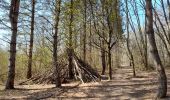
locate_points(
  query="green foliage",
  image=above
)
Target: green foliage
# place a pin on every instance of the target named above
(42, 59)
(21, 66)
(3, 65)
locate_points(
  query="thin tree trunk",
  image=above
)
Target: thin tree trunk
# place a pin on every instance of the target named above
(110, 44)
(146, 46)
(70, 49)
(29, 71)
(162, 79)
(110, 63)
(103, 57)
(162, 38)
(135, 33)
(128, 46)
(162, 26)
(84, 33)
(103, 53)
(90, 43)
(55, 44)
(118, 33)
(165, 16)
(14, 11)
(109, 51)
(168, 17)
(168, 9)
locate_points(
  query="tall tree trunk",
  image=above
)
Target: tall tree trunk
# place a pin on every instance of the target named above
(29, 71)
(162, 79)
(168, 2)
(128, 46)
(146, 47)
(55, 44)
(110, 42)
(90, 41)
(103, 53)
(70, 49)
(118, 32)
(84, 33)
(14, 12)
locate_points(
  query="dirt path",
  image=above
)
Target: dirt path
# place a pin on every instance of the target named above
(122, 87)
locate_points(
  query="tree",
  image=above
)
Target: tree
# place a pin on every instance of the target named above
(112, 22)
(142, 40)
(84, 33)
(29, 72)
(13, 15)
(110, 28)
(132, 63)
(103, 52)
(55, 43)
(70, 44)
(162, 79)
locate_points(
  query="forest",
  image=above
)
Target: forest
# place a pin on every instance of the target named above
(85, 49)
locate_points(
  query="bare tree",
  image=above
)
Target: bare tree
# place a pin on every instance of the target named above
(103, 51)
(29, 72)
(55, 43)
(162, 79)
(84, 33)
(127, 40)
(70, 48)
(14, 12)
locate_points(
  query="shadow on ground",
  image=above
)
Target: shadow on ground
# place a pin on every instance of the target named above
(122, 87)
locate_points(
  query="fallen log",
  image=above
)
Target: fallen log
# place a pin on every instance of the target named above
(48, 77)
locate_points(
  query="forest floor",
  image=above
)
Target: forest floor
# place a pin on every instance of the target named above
(122, 87)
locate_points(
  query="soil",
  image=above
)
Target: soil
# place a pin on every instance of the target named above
(122, 87)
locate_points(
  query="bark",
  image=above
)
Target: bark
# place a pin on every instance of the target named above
(109, 52)
(84, 33)
(103, 57)
(168, 2)
(14, 11)
(103, 53)
(29, 71)
(90, 41)
(55, 44)
(162, 79)
(110, 63)
(146, 47)
(110, 46)
(70, 49)
(118, 32)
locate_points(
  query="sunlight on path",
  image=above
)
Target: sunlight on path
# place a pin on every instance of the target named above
(122, 87)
